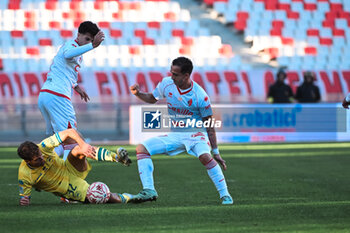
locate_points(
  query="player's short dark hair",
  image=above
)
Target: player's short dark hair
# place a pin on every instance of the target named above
(281, 72)
(27, 150)
(309, 74)
(184, 63)
(88, 27)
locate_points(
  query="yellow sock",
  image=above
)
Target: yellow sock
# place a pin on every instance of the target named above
(103, 154)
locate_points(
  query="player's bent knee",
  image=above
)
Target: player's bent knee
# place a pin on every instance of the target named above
(207, 161)
(142, 152)
(141, 149)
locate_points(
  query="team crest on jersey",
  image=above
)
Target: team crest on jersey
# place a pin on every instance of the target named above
(170, 95)
(189, 103)
(206, 98)
(152, 119)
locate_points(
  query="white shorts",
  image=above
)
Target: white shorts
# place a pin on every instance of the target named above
(57, 111)
(174, 143)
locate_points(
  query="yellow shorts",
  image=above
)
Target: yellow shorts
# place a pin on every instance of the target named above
(77, 186)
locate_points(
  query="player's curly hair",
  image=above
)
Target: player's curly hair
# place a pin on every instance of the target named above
(184, 63)
(88, 27)
(27, 150)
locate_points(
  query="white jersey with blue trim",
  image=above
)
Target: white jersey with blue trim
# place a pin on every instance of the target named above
(192, 103)
(63, 74)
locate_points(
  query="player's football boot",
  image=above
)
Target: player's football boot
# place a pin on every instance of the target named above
(227, 200)
(144, 195)
(123, 156)
(125, 197)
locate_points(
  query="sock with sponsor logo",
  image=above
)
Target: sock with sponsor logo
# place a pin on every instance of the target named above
(216, 175)
(145, 166)
(103, 154)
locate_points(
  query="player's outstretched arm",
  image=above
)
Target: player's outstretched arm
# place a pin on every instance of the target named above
(146, 97)
(77, 51)
(213, 142)
(82, 149)
(83, 95)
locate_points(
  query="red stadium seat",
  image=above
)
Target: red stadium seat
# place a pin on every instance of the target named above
(313, 32)
(33, 51)
(45, 42)
(292, 15)
(287, 41)
(104, 24)
(29, 24)
(277, 24)
(74, 5)
(338, 32)
(240, 25)
(148, 41)
(187, 41)
(177, 32)
(284, 6)
(242, 15)
(117, 15)
(55, 25)
(328, 23)
(171, 16)
(14, 4)
(115, 33)
(134, 50)
(66, 33)
(140, 33)
(336, 6)
(326, 41)
(17, 34)
(153, 24)
(310, 6)
(276, 32)
(310, 50)
(51, 5)
(98, 5)
(331, 15)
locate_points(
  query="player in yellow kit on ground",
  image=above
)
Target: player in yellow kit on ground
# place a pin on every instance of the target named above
(42, 169)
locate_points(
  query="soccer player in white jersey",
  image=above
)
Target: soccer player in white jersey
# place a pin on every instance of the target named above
(55, 95)
(180, 93)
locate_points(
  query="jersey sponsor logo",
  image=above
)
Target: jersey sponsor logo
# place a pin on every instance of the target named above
(152, 119)
(182, 111)
(170, 95)
(197, 134)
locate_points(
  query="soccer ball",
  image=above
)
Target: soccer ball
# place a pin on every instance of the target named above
(98, 193)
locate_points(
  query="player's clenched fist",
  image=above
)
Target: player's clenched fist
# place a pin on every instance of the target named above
(99, 37)
(135, 89)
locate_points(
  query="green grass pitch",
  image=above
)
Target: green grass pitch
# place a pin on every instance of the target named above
(276, 188)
